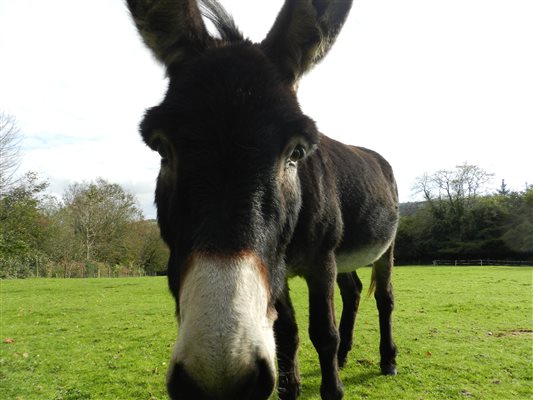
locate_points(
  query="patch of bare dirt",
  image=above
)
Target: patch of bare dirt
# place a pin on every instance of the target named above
(515, 332)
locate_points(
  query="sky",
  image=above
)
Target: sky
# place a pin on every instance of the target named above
(429, 84)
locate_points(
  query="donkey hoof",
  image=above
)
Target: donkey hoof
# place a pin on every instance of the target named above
(291, 392)
(336, 393)
(342, 358)
(389, 370)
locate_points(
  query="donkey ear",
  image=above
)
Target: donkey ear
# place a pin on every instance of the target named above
(170, 28)
(303, 33)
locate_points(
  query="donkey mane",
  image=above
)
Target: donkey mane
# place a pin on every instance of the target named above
(222, 21)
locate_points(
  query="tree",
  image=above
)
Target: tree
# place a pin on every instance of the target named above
(146, 247)
(458, 220)
(502, 190)
(458, 187)
(23, 226)
(519, 232)
(451, 194)
(448, 225)
(63, 246)
(10, 141)
(415, 242)
(100, 213)
(98, 228)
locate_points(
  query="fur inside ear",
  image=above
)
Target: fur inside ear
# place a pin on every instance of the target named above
(172, 29)
(303, 33)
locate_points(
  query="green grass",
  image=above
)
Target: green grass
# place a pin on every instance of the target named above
(461, 332)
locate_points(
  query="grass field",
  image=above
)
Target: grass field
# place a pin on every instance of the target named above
(464, 332)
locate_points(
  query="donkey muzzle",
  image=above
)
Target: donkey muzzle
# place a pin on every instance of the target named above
(225, 347)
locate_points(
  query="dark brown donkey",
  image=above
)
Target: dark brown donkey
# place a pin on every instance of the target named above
(250, 193)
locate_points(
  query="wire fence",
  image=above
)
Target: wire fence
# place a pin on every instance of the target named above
(483, 262)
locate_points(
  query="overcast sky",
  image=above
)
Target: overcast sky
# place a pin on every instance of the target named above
(428, 84)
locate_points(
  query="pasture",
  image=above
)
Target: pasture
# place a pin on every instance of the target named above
(462, 332)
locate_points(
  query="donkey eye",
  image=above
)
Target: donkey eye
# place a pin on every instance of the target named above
(297, 154)
(162, 149)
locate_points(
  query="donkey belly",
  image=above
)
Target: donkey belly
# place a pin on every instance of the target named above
(348, 261)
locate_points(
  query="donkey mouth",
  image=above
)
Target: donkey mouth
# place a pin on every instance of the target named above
(258, 384)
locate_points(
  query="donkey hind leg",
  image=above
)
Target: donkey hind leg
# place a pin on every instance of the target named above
(286, 333)
(322, 328)
(384, 296)
(350, 286)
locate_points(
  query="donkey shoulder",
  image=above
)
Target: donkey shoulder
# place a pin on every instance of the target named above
(349, 201)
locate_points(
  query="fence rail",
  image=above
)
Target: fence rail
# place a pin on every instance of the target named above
(483, 262)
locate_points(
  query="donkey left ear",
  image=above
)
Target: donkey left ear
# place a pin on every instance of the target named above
(172, 29)
(303, 33)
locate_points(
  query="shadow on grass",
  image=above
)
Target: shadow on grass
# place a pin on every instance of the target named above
(361, 378)
(311, 382)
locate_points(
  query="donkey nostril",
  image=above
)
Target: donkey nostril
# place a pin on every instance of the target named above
(181, 386)
(173, 381)
(260, 383)
(257, 385)
(265, 381)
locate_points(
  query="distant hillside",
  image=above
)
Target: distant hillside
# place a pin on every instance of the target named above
(410, 208)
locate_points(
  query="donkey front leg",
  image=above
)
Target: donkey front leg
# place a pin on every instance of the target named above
(385, 303)
(322, 328)
(286, 332)
(350, 286)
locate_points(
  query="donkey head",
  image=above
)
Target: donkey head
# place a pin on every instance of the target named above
(231, 135)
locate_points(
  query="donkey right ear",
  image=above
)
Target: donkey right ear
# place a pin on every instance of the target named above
(172, 29)
(303, 33)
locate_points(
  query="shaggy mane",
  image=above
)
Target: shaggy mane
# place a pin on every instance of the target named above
(221, 20)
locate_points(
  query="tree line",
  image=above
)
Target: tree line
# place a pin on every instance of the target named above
(96, 229)
(460, 218)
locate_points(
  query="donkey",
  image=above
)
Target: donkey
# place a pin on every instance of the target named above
(250, 193)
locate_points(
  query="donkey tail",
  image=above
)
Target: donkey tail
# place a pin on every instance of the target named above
(382, 270)
(372, 287)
